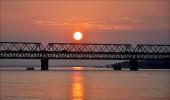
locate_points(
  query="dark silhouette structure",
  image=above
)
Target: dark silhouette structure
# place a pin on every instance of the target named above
(29, 50)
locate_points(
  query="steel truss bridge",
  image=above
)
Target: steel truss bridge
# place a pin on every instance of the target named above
(31, 50)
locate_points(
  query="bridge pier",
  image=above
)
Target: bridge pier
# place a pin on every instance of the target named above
(133, 65)
(44, 64)
(116, 67)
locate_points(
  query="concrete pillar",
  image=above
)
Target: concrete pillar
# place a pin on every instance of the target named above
(116, 67)
(133, 65)
(44, 64)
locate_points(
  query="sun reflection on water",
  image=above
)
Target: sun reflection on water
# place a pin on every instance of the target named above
(77, 85)
(77, 68)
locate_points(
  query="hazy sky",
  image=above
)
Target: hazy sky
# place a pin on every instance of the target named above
(131, 21)
(110, 21)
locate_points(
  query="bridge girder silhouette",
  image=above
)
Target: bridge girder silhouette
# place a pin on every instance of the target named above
(31, 50)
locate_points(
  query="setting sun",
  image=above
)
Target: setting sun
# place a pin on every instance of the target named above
(77, 35)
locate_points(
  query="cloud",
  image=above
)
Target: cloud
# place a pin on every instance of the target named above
(123, 23)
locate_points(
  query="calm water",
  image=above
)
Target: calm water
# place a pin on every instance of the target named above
(74, 84)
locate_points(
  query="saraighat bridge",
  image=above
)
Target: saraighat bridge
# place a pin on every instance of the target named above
(87, 51)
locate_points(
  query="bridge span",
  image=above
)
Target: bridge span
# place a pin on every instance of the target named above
(87, 51)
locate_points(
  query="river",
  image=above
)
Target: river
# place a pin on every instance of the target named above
(78, 83)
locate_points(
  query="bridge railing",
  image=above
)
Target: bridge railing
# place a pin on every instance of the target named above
(88, 51)
(145, 51)
(20, 46)
(94, 48)
(145, 48)
(32, 50)
(20, 50)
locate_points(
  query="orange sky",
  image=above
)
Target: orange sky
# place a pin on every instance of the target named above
(100, 21)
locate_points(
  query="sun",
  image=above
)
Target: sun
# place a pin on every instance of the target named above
(77, 35)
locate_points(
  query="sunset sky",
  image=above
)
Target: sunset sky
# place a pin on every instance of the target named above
(100, 21)
(131, 21)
